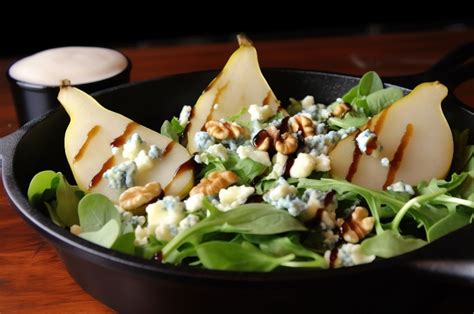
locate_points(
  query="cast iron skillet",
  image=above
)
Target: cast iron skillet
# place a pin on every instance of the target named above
(129, 284)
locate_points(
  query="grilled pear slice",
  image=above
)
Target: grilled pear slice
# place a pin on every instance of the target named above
(412, 133)
(238, 85)
(94, 130)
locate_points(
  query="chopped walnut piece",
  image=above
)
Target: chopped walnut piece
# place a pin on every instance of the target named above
(214, 182)
(340, 110)
(357, 226)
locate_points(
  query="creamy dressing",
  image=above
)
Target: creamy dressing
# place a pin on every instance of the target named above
(78, 64)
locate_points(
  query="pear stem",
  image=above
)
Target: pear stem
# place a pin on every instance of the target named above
(65, 83)
(243, 40)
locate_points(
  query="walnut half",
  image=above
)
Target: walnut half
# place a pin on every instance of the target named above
(134, 198)
(214, 182)
(224, 130)
(303, 124)
(357, 226)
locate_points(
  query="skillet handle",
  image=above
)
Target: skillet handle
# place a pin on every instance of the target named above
(451, 70)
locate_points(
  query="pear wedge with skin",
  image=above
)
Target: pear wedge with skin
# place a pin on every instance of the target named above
(94, 130)
(238, 85)
(412, 133)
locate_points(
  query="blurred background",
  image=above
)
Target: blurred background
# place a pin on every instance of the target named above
(156, 31)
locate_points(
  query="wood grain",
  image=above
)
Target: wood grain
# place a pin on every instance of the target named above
(32, 278)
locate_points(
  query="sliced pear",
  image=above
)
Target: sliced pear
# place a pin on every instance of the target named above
(238, 85)
(93, 130)
(413, 134)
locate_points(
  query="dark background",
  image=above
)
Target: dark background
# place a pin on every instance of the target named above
(136, 30)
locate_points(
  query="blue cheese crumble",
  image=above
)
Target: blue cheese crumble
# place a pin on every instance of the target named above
(364, 138)
(402, 187)
(139, 158)
(121, 176)
(164, 217)
(261, 113)
(184, 115)
(188, 222)
(234, 196)
(283, 196)
(203, 140)
(385, 162)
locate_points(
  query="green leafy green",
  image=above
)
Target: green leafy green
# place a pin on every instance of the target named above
(247, 170)
(222, 255)
(42, 187)
(255, 218)
(381, 99)
(369, 83)
(149, 250)
(429, 194)
(67, 198)
(374, 198)
(125, 243)
(453, 221)
(51, 190)
(238, 115)
(100, 221)
(284, 246)
(351, 119)
(294, 107)
(95, 211)
(172, 129)
(367, 99)
(351, 94)
(389, 243)
(52, 214)
(264, 185)
(105, 236)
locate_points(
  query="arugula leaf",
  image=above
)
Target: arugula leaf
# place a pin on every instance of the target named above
(149, 250)
(283, 246)
(256, 218)
(247, 170)
(349, 120)
(95, 211)
(389, 244)
(432, 195)
(374, 198)
(453, 221)
(233, 256)
(172, 129)
(105, 236)
(367, 99)
(264, 185)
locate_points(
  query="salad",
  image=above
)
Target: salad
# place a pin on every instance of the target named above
(259, 185)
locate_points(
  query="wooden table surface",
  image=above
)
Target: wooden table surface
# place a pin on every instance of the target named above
(32, 278)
